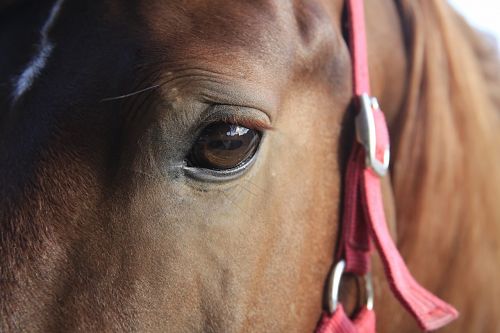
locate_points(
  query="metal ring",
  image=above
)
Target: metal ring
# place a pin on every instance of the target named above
(334, 287)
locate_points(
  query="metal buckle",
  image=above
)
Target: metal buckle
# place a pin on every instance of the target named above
(334, 287)
(367, 135)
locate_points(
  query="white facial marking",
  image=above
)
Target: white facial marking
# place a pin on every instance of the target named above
(45, 47)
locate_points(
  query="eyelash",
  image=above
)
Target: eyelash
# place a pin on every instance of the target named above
(226, 114)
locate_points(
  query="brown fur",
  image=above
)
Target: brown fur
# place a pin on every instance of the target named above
(445, 173)
(100, 231)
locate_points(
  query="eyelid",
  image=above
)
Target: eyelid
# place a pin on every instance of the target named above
(237, 115)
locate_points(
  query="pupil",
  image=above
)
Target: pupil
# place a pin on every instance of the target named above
(226, 144)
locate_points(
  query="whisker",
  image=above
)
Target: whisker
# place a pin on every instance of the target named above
(248, 190)
(257, 187)
(143, 173)
(236, 205)
(108, 99)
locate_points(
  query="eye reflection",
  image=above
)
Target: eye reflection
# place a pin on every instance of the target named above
(223, 146)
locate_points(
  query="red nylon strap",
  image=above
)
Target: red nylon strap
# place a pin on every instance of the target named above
(430, 312)
(339, 322)
(359, 52)
(364, 219)
(355, 244)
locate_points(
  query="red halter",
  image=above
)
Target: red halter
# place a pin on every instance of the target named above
(364, 219)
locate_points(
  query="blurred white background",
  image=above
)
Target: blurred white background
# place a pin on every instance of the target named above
(483, 14)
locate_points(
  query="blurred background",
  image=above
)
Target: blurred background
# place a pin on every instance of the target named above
(483, 14)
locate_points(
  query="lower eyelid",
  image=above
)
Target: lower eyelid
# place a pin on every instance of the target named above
(209, 175)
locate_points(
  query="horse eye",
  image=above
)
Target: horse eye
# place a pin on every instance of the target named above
(223, 146)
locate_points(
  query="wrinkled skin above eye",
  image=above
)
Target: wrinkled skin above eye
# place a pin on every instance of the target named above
(223, 146)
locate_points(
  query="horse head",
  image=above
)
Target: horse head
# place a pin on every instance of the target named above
(177, 165)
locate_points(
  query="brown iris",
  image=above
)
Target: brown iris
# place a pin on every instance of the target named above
(223, 146)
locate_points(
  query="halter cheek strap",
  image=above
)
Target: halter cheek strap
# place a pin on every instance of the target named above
(363, 222)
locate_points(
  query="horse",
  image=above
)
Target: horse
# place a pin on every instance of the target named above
(177, 166)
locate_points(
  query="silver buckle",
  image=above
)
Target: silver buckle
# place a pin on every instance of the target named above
(367, 136)
(334, 287)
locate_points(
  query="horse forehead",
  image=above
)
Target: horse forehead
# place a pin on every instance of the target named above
(203, 24)
(212, 14)
(252, 25)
